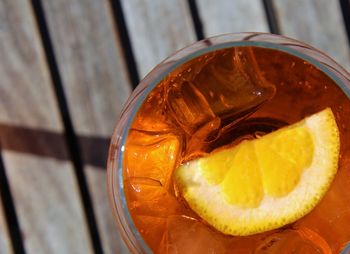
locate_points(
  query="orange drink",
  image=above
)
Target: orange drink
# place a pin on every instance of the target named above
(218, 94)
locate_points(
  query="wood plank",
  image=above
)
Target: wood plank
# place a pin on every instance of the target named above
(227, 16)
(5, 246)
(95, 79)
(44, 189)
(157, 28)
(110, 236)
(317, 22)
(48, 214)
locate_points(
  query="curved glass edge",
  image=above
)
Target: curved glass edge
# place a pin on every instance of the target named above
(154, 81)
(346, 250)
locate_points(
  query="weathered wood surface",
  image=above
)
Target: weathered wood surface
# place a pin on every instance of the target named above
(317, 22)
(227, 16)
(157, 28)
(95, 81)
(5, 246)
(49, 210)
(44, 189)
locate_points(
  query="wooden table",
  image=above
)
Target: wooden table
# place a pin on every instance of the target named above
(67, 67)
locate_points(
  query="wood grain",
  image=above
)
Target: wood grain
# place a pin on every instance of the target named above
(96, 84)
(44, 189)
(4, 235)
(157, 28)
(90, 63)
(317, 22)
(42, 193)
(232, 16)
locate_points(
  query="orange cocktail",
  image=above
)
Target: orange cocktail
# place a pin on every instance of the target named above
(237, 88)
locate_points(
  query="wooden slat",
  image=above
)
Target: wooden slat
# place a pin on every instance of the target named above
(95, 80)
(157, 28)
(110, 236)
(4, 235)
(231, 16)
(317, 22)
(44, 189)
(48, 207)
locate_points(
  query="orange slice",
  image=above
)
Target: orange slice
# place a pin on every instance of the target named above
(265, 183)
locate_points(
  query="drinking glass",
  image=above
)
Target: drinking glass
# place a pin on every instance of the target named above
(253, 75)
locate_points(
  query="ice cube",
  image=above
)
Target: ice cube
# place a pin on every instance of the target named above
(331, 217)
(293, 241)
(188, 107)
(198, 144)
(152, 230)
(151, 155)
(152, 115)
(188, 236)
(232, 83)
(216, 92)
(190, 69)
(148, 197)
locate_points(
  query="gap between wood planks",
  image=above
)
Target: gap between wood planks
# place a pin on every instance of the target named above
(69, 133)
(345, 9)
(122, 31)
(271, 16)
(269, 10)
(10, 211)
(196, 19)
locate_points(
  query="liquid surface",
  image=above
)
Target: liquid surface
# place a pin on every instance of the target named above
(217, 100)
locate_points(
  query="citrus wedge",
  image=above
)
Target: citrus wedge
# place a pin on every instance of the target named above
(265, 183)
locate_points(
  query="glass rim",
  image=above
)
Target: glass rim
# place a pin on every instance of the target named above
(244, 41)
